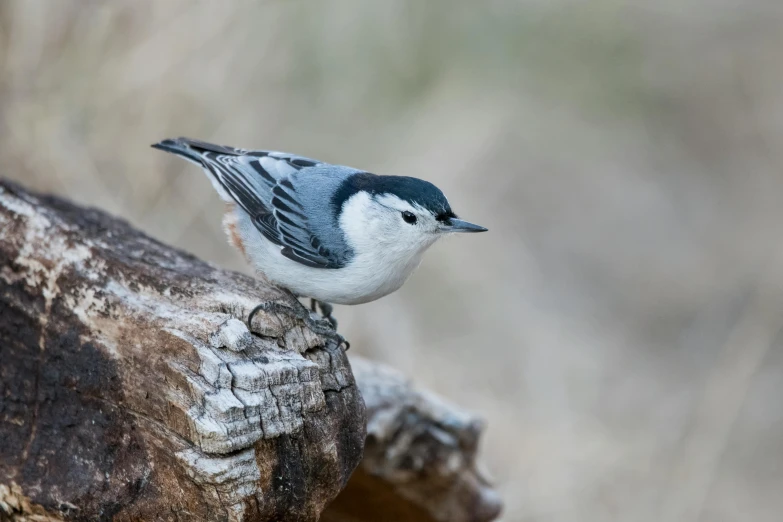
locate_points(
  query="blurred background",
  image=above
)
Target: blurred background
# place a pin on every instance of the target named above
(619, 327)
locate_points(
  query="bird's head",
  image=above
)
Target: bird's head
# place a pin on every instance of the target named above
(403, 213)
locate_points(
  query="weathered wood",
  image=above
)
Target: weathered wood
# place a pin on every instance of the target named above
(419, 460)
(131, 390)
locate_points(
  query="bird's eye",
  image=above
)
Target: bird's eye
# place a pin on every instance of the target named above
(409, 217)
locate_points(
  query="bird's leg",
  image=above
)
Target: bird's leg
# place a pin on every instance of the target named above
(326, 311)
(321, 327)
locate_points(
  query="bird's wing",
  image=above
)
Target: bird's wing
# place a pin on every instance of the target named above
(259, 182)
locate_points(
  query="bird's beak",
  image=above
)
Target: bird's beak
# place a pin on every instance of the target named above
(458, 225)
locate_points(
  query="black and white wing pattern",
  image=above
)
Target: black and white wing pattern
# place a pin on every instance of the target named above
(261, 184)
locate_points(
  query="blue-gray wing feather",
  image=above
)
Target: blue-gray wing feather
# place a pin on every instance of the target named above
(287, 198)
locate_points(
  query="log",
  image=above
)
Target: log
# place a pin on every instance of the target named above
(419, 460)
(131, 389)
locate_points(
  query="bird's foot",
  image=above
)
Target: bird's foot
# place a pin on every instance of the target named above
(322, 327)
(326, 311)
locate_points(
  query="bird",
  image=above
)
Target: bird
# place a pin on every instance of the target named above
(331, 233)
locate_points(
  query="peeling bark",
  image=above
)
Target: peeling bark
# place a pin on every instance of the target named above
(130, 389)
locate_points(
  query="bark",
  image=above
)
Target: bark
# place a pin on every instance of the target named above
(419, 460)
(131, 389)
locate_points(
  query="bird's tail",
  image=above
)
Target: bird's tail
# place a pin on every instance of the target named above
(193, 150)
(196, 152)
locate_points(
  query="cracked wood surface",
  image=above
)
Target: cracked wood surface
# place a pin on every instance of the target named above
(130, 389)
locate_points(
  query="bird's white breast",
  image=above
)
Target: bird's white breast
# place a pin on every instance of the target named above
(380, 265)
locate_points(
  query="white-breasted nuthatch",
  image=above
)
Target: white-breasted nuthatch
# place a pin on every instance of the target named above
(328, 232)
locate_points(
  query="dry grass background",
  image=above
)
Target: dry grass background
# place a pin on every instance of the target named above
(619, 326)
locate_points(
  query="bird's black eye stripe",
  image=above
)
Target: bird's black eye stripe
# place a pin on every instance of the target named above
(409, 217)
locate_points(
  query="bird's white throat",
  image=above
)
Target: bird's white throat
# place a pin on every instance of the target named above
(386, 249)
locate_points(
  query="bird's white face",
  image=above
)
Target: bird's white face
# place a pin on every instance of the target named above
(388, 225)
